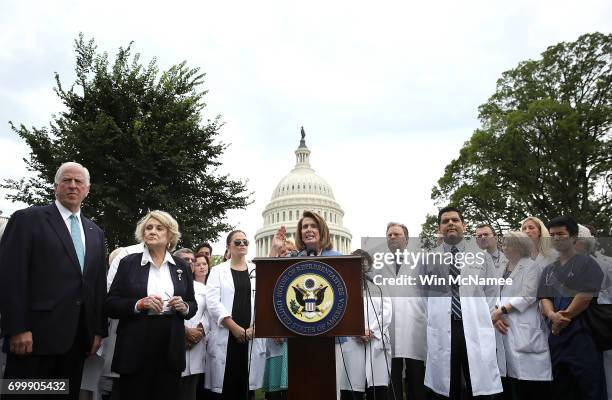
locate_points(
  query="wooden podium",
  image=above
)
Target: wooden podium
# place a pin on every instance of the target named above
(312, 359)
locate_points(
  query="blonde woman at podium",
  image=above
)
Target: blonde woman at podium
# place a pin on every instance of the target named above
(312, 239)
(363, 363)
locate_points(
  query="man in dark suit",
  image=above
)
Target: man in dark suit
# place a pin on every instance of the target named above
(53, 285)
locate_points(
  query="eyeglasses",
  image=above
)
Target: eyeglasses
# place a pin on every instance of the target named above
(238, 242)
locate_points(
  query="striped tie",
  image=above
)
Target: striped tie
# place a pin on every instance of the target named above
(455, 300)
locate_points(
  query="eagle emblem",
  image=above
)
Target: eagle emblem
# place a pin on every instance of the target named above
(309, 297)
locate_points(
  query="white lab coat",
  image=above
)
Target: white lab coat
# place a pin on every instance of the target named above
(477, 325)
(498, 272)
(498, 267)
(605, 295)
(359, 364)
(219, 295)
(409, 330)
(523, 352)
(409, 323)
(195, 357)
(543, 261)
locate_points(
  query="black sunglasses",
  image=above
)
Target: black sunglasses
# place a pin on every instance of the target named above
(238, 242)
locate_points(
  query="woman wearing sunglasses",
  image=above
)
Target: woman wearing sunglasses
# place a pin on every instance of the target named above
(232, 351)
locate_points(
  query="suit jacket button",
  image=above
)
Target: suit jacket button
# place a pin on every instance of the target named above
(78, 302)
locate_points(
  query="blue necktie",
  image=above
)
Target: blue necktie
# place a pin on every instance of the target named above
(75, 233)
(455, 298)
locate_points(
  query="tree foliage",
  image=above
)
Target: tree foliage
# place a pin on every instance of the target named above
(142, 136)
(429, 232)
(544, 147)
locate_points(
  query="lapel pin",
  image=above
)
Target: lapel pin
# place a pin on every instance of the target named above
(180, 273)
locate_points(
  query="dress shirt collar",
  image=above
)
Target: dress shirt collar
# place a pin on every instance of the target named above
(146, 258)
(460, 246)
(66, 213)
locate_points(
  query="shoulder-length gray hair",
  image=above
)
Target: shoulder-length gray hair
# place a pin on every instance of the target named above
(520, 241)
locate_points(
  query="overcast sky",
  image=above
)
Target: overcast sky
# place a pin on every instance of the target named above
(386, 91)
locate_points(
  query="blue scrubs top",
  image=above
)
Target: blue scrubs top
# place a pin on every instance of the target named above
(560, 283)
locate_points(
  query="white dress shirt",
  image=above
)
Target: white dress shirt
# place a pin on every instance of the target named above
(66, 213)
(160, 282)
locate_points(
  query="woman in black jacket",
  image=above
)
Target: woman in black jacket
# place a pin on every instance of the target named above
(151, 296)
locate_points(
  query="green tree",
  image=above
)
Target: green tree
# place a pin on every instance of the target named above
(142, 136)
(544, 147)
(429, 232)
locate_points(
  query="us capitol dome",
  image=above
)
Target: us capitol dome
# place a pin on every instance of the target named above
(302, 189)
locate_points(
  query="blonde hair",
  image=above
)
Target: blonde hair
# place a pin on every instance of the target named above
(545, 246)
(520, 241)
(166, 220)
(291, 242)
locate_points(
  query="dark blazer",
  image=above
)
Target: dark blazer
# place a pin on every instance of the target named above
(42, 288)
(129, 286)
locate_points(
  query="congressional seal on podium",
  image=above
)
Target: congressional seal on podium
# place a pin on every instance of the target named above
(310, 298)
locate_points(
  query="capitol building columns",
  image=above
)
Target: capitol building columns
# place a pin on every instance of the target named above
(302, 190)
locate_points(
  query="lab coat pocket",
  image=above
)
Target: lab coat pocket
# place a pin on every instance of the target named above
(530, 339)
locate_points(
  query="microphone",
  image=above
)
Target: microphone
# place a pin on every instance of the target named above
(310, 251)
(368, 278)
(253, 275)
